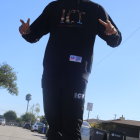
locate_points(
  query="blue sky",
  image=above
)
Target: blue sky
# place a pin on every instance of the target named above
(114, 84)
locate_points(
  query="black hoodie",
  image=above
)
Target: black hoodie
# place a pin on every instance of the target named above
(73, 26)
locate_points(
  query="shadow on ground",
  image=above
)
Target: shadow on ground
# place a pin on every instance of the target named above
(37, 135)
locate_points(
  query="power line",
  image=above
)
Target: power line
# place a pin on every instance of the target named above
(109, 54)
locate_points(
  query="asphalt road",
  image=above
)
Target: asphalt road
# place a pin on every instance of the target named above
(18, 133)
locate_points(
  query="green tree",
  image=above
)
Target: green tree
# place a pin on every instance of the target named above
(10, 116)
(28, 98)
(8, 79)
(28, 117)
(19, 121)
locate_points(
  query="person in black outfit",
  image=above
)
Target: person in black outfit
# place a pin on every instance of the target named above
(73, 26)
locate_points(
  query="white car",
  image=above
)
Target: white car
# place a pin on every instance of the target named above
(36, 126)
(2, 121)
(85, 131)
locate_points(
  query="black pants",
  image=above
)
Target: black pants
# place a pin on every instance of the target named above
(64, 106)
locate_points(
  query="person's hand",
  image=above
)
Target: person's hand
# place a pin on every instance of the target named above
(24, 28)
(109, 28)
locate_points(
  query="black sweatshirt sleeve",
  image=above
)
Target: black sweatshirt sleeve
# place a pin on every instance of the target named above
(40, 26)
(111, 40)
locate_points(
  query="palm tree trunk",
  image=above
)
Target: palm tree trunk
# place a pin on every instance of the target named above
(27, 106)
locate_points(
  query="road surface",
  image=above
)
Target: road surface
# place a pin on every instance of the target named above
(18, 133)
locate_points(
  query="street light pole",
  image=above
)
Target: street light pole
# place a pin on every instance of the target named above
(88, 115)
(89, 108)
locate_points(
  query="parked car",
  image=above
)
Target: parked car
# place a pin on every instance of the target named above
(85, 131)
(43, 129)
(27, 126)
(36, 125)
(2, 120)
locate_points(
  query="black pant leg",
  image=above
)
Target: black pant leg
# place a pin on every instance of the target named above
(73, 108)
(52, 108)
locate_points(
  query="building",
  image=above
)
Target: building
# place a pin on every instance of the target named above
(130, 128)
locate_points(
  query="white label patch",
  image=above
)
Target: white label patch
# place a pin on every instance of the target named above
(75, 58)
(79, 96)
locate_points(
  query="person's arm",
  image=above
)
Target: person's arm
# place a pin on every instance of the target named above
(41, 26)
(107, 29)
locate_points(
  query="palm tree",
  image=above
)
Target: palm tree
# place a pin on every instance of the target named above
(28, 98)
